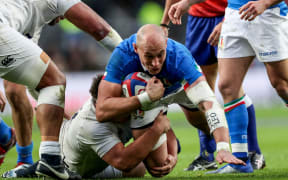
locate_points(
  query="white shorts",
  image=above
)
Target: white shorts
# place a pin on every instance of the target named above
(266, 37)
(21, 60)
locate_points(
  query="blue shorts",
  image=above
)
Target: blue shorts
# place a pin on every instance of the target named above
(198, 30)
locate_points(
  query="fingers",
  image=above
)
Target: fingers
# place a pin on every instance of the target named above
(2, 102)
(244, 7)
(171, 14)
(178, 16)
(213, 38)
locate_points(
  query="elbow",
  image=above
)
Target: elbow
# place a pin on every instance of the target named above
(100, 116)
(100, 33)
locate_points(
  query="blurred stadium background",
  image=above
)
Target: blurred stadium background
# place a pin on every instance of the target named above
(80, 56)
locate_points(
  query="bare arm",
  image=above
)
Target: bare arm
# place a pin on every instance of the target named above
(110, 104)
(201, 95)
(89, 21)
(252, 9)
(171, 159)
(126, 158)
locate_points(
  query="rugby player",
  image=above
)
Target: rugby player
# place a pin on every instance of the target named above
(172, 64)
(97, 150)
(265, 37)
(202, 34)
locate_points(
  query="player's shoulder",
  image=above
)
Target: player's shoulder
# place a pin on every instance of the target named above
(176, 50)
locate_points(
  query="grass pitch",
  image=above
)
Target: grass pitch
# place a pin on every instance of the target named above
(272, 136)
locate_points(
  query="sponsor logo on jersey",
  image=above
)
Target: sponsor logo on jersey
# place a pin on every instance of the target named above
(270, 53)
(7, 61)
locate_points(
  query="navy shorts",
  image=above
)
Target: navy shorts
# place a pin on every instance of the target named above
(198, 30)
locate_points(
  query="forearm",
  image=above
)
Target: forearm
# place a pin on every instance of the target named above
(87, 20)
(172, 143)
(269, 3)
(137, 151)
(111, 109)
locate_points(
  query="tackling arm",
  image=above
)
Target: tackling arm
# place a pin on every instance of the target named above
(126, 158)
(110, 104)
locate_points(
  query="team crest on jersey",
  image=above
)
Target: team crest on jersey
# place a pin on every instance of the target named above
(221, 42)
(8, 60)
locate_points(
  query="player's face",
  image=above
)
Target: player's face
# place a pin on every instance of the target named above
(152, 57)
(56, 20)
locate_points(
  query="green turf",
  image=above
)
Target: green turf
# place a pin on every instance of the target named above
(272, 137)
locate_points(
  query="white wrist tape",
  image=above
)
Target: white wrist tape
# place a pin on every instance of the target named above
(144, 99)
(215, 115)
(223, 146)
(111, 40)
(162, 139)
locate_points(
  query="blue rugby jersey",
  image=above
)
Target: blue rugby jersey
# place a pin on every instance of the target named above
(179, 65)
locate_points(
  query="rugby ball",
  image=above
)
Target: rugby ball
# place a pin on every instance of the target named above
(135, 83)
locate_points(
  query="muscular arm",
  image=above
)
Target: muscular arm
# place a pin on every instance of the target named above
(110, 104)
(126, 158)
(89, 21)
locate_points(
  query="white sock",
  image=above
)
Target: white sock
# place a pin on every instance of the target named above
(49, 147)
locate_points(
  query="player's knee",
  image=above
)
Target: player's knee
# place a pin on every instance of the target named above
(281, 88)
(225, 89)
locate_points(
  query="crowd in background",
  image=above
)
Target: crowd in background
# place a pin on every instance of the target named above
(74, 50)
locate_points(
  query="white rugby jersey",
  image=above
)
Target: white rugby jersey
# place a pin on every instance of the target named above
(84, 140)
(29, 16)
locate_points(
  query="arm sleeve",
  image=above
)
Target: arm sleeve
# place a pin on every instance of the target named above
(64, 5)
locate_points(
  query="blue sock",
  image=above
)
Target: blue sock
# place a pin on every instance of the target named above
(25, 153)
(237, 119)
(207, 146)
(253, 145)
(5, 132)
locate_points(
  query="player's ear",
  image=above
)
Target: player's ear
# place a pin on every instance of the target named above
(135, 48)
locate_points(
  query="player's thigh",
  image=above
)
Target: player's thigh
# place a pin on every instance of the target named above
(196, 118)
(278, 73)
(210, 72)
(20, 59)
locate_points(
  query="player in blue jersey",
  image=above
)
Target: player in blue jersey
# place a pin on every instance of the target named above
(244, 36)
(202, 36)
(169, 63)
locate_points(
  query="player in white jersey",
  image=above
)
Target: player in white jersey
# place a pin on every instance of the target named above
(96, 150)
(23, 62)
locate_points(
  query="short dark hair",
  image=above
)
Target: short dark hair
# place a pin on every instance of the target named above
(94, 87)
